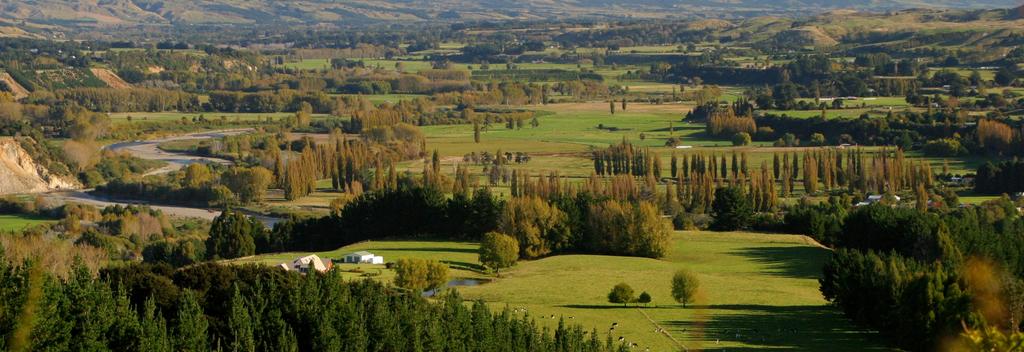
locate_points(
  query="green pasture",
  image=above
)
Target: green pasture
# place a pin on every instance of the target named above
(833, 113)
(460, 256)
(571, 128)
(758, 291)
(18, 222)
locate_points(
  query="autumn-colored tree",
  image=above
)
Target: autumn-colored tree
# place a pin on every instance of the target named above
(420, 274)
(498, 250)
(539, 227)
(249, 184)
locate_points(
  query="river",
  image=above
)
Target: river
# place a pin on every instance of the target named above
(149, 149)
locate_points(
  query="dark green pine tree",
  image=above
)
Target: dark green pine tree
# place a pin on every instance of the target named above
(483, 332)
(232, 236)
(125, 331)
(240, 325)
(89, 309)
(190, 334)
(153, 335)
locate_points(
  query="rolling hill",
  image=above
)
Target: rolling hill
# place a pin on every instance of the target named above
(90, 13)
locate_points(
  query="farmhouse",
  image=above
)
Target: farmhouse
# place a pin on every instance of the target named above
(363, 257)
(307, 263)
(876, 198)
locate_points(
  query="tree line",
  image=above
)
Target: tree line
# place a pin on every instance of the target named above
(254, 308)
(541, 226)
(917, 276)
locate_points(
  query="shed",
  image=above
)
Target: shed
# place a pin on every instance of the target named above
(363, 257)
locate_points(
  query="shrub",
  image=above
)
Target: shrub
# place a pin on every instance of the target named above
(944, 147)
(621, 293)
(741, 139)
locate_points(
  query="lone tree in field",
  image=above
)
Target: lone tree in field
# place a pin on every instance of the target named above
(476, 132)
(644, 298)
(684, 286)
(621, 293)
(731, 209)
(499, 251)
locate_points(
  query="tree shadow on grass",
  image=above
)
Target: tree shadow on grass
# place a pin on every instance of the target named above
(429, 249)
(805, 328)
(677, 128)
(614, 306)
(794, 262)
(465, 266)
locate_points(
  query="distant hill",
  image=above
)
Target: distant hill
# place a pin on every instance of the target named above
(91, 13)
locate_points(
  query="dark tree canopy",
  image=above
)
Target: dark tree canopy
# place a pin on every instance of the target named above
(731, 209)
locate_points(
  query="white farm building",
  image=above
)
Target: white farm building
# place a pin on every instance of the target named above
(363, 257)
(308, 263)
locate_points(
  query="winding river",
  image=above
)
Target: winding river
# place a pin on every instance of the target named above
(149, 149)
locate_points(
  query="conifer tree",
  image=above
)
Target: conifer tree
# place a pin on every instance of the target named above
(154, 330)
(240, 325)
(190, 332)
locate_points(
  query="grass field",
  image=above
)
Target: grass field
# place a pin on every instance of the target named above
(573, 128)
(308, 64)
(758, 291)
(987, 75)
(461, 257)
(869, 102)
(835, 113)
(15, 222)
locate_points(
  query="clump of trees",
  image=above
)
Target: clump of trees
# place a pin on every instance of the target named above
(420, 275)
(234, 235)
(626, 159)
(623, 228)
(198, 184)
(1002, 177)
(541, 226)
(732, 209)
(538, 226)
(926, 269)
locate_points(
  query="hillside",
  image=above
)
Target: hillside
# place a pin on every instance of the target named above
(91, 13)
(19, 172)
